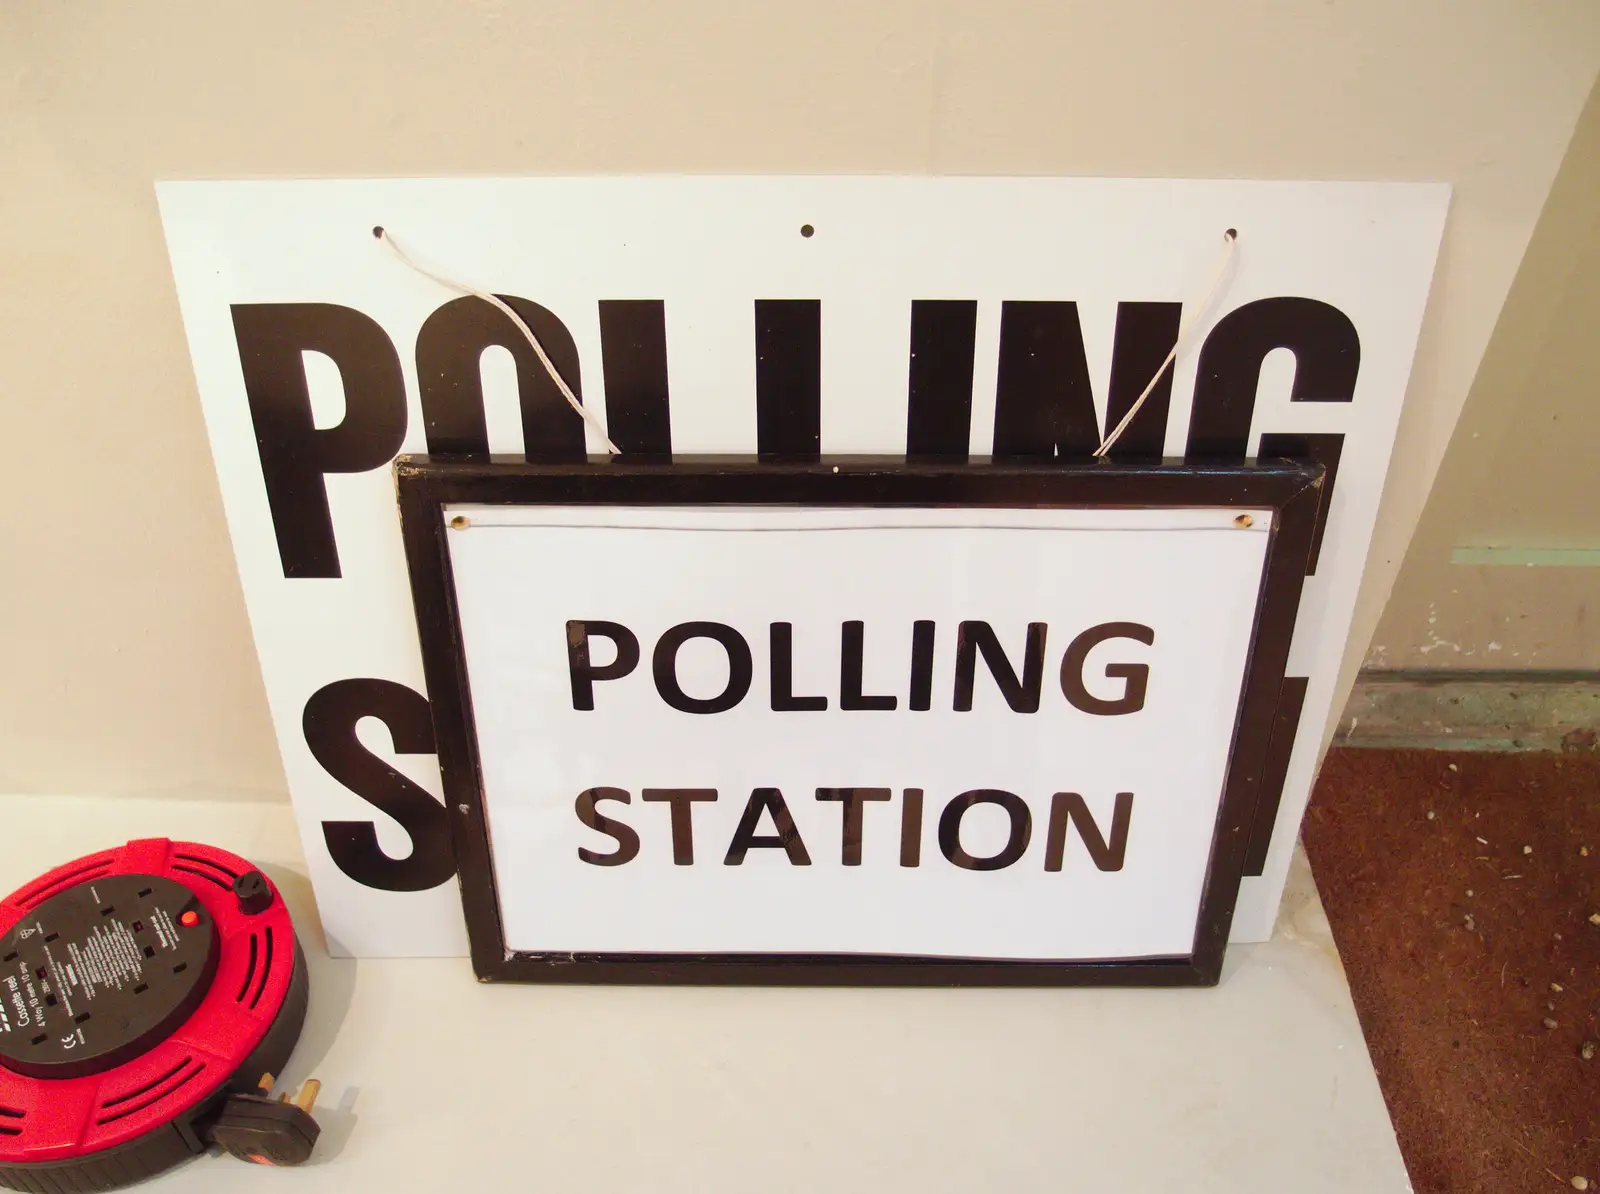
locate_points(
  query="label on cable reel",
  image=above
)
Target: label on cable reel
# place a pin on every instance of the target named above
(96, 975)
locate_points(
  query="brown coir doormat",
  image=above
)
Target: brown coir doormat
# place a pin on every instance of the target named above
(1464, 891)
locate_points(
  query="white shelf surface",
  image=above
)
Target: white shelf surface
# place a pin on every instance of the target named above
(432, 1081)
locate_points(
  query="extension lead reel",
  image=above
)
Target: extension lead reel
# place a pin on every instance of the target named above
(147, 996)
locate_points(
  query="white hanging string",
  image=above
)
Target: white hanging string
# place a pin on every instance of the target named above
(587, 415)
(1185, 325)
(1190, 318)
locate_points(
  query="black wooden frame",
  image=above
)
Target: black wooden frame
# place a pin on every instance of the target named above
(1291, 489)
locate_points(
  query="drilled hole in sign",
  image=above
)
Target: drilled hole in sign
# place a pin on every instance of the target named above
(49, 1001)
(180, 968)
(807, 230)
(81, 1018)
(141, 988)
(138, 926)
(38, 1040)
(144, 893)
(52, 937)
(149, 951)
(108, 910)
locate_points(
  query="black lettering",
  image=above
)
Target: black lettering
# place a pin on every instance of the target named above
(781, 641)
(1069, 806)
(1145, 335)
(626, 838)
(682, 801)
(939, 386)
(583, 672)
(921, 665)
(852, 646)
(853, 800)
(295, 455)
(1327, 354)
(1043, 402)
(633, 355)
(450, 347)
(1022, 695)
(911, 827)
(664, 664)
(1135, 676)
(745, 838)
(329, 725)
(788, 378)
(1016, 844)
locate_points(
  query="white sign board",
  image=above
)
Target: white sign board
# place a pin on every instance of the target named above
(1016, 315)
(1158, 728)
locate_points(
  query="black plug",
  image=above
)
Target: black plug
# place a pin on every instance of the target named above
(254, 1128)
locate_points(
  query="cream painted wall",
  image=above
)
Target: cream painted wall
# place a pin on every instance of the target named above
(1523, 469)
(127, 660)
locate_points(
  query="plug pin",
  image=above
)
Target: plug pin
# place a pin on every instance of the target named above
(307, 1098)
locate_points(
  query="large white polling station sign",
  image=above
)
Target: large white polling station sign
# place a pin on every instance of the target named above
(734, 315)
(936, 732)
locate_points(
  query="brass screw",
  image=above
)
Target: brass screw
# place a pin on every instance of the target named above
(459, 523)
(1244, 520)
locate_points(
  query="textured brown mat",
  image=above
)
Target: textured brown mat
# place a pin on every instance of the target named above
(1454, 937)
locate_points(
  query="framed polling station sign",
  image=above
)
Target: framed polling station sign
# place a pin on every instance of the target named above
(854, 719)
